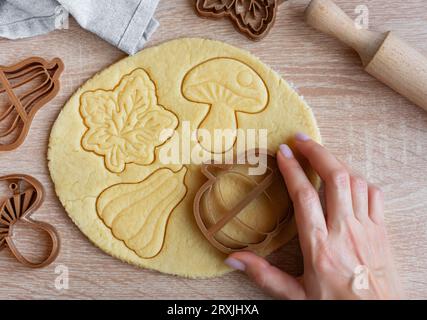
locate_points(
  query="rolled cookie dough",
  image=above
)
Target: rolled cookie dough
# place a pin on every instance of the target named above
(104, 148)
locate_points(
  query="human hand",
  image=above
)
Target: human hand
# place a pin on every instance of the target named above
(346, 251)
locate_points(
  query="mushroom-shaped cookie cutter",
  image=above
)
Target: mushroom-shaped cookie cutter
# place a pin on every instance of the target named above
(29, 85)
(203, 216)
(228, 86)
(27, 196)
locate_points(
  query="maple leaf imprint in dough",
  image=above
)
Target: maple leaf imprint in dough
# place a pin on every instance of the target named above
(126, 124)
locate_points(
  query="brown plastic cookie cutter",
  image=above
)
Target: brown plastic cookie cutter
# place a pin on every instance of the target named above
(28, 85)
(211, 227)
(254, 18)
(27, 196)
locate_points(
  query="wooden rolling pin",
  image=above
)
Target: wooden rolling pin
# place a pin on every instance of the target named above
(384, 55)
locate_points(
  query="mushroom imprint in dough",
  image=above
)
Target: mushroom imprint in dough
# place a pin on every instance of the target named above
(228, 86)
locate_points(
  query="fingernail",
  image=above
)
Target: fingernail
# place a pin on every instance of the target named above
(300, 136)
(286, 151)
(235, 264)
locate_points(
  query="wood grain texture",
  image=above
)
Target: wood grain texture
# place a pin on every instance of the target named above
(384, 55)
(379, 133)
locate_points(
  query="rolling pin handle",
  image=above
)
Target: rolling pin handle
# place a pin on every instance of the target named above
(327, 17)
(384, 55)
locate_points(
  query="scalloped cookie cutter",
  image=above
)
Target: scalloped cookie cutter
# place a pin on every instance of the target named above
(210, 230)
(27, 197)
(253, 18)
(40, 80)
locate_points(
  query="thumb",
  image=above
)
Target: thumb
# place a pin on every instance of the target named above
(270, 279)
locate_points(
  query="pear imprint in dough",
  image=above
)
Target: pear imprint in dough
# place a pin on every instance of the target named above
(138, 213)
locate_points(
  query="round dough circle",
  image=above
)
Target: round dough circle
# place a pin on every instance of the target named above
(80, 176)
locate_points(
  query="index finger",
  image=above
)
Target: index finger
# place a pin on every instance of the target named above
(339, 202)
(309, 216)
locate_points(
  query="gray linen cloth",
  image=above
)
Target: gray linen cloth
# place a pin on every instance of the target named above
(126, 24)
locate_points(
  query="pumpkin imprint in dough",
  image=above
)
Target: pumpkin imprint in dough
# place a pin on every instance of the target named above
(137, 213)
(228, 86)
(125, 124)
(250, 220)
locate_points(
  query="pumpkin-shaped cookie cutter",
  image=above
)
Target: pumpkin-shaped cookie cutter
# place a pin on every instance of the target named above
(40, 80)
(27, 197)
(209, 231)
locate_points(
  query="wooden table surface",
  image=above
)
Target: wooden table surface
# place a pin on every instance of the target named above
(376, 131)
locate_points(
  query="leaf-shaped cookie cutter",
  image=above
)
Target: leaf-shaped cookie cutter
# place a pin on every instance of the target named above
(210, 231)
(23, 107)
(28, 195)
(229, 8)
